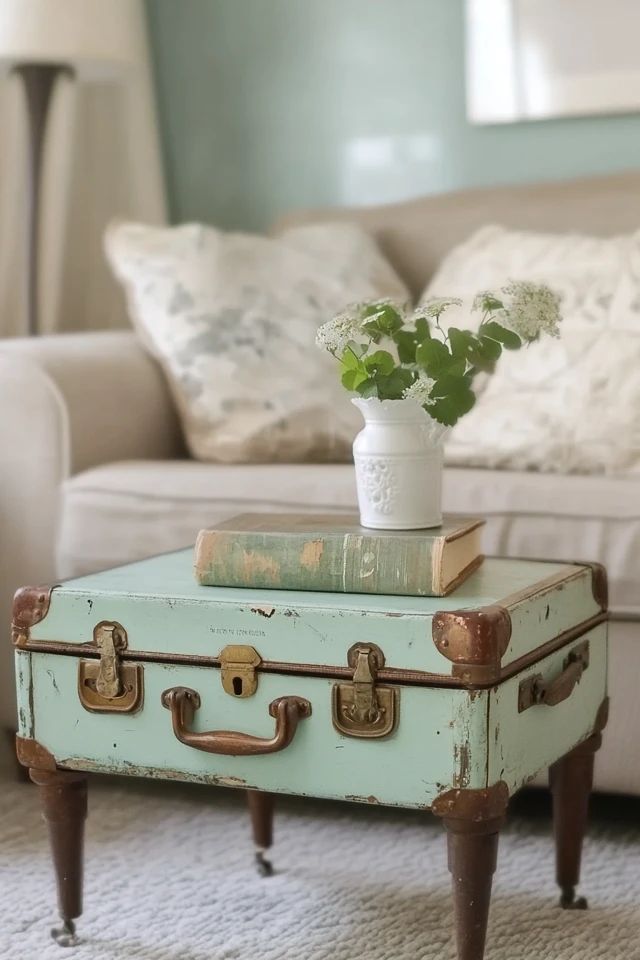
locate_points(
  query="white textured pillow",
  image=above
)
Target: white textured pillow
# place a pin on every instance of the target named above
(567, 405)
(232, 319)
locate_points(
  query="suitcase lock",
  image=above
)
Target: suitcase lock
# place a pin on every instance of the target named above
(238, 670)
(107, 685)
(362, 708)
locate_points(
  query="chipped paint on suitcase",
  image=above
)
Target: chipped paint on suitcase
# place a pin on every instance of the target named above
(407, 698)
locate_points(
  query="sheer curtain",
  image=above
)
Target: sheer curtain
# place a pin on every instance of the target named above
(102, 160)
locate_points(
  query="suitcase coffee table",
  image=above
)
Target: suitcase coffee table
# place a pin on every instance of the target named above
(449, 705)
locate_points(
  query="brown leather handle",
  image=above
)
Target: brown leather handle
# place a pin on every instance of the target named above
(563, 686)
(536, 690)
(183, 702)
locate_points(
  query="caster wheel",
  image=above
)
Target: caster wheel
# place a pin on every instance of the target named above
(569, 901)
(65, 936)
(263, 866)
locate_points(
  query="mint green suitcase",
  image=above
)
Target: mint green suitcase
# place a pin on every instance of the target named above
(442, 704)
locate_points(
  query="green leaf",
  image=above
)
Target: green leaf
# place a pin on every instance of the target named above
(393, 386)
(389, 319)
(485, 354)
(372, 309)
(351, 379)
(406, 343)
(373, 331)
(458, 368)
(368, 388)
(448, 410)
(423, 331)
(507, 338)
(488, 303)
(490, 348)
(384, 320)
(350, 361)
(462, 341)
(379, 362)
(450, 384)
(433, 356)
(359, 349)
(454, 398)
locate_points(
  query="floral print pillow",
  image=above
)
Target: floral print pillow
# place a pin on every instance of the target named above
(232, 319)
(566, 405)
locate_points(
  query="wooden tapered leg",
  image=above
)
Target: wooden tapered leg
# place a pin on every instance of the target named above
(473, 853)
(261, 811)
(571, 780)
(64, 807)
(472, 819)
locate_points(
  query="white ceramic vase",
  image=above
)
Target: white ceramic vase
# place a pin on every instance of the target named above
(398, 461)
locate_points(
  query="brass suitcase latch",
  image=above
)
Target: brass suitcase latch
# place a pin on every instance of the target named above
(362, 708)
(238, 669)
(107, 685)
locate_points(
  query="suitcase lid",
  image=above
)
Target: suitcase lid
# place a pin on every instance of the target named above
(508, 614)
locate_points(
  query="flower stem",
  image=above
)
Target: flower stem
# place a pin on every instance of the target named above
(444, 335)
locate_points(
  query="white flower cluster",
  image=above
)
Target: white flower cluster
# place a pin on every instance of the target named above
(348, 325)
(421, 390)
(335, 334)
(530, 309)
(434, 306)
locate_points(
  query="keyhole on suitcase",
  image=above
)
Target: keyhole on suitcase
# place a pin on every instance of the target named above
(238, 668)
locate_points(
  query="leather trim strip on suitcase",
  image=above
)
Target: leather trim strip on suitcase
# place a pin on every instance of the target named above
(599, 579)
(529, 659)
(329, 672)
(541, 587)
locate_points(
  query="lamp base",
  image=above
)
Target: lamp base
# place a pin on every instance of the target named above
(38, 80)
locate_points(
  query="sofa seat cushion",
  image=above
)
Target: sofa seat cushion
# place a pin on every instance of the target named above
(125, 511)
(558, 517)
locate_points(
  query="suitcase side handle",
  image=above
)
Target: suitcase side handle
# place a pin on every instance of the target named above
(536, 690)
(183, 702)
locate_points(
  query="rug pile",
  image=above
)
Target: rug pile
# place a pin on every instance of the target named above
(170, 876)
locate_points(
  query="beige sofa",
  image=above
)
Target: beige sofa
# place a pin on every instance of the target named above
(93, 471)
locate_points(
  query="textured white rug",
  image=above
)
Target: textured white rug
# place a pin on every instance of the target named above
(170, 877)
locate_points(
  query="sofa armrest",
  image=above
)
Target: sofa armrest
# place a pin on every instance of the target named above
(112, 399)
(67, 403)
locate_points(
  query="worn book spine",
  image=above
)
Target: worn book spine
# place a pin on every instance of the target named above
(344, 563)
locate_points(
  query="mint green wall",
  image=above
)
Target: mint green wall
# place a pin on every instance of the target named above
(271, 104)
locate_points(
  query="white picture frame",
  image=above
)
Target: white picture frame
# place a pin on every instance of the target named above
(537, 59)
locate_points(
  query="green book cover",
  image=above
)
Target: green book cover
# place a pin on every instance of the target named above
(334, 553)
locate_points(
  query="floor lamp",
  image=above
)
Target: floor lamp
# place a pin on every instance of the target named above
(90, 40)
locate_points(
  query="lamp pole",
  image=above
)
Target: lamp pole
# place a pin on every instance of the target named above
(38, 80)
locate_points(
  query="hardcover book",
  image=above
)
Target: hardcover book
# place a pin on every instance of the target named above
(332, 552)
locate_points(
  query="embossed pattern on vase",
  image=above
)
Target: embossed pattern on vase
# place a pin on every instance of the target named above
(380, 481)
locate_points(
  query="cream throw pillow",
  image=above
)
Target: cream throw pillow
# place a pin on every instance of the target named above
(567, 405)
(232, 319)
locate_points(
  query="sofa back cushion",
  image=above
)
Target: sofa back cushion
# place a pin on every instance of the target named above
(415, 236)
(232, 319)
(567, 405)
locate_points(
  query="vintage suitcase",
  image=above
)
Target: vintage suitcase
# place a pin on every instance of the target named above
(448, 704)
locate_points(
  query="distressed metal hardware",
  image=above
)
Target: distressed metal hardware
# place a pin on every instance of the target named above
(238, 669)
(183, 702)
(107, 685)
(536, 690)
(362, 708)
